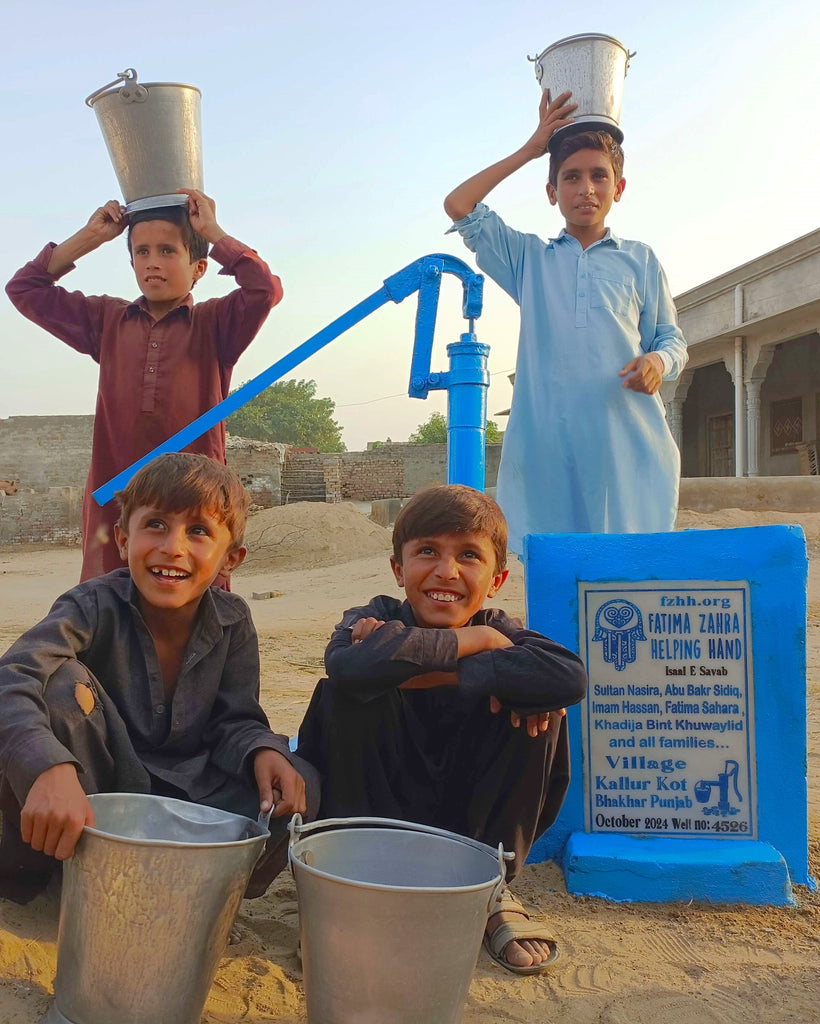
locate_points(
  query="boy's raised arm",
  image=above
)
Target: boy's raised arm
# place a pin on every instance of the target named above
(105, 223)
(552, 115)
(241, 313)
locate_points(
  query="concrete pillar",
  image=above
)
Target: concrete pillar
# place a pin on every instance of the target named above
(753, 424)
(674, 417)
(758, 361)
(740, 410)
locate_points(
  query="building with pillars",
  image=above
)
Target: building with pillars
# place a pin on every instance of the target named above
(748, 402)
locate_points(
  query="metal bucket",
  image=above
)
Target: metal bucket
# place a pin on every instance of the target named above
(594, 67)
(391, 917)
(153, 134)
(148, 901)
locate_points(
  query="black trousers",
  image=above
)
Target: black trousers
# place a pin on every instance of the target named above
(99, 740)
(437, 758)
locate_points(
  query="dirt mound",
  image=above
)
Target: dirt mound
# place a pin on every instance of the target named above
(729, 518)
(308, 534)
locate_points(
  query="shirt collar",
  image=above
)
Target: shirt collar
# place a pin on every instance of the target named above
(564, 236)
(405, 615)
(141, 305)
(216, 609)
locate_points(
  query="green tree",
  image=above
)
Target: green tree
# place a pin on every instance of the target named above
(494, 435)
(289, 412)
(434, 431)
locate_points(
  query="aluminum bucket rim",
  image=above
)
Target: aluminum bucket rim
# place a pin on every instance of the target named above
(170, 843)
(581, 37)
(94, 97)
(375, 825)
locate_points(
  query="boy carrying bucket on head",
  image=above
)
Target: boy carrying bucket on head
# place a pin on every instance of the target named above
(164, 360)
(587, 449)
(145, 680)
(440, 711)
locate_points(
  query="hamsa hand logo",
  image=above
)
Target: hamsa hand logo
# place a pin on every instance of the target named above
(619, 626)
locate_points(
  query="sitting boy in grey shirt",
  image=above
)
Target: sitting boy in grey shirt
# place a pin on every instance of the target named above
(145, 680)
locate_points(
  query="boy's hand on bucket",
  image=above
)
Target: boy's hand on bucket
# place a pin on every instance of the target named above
(552, 115)
(202, 215)
(280, 786)
(55, 812)
(107, 222)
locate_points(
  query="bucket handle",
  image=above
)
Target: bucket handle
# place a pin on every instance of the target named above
(298, 828)
(539, 67)
(501, 884)
(131, 92)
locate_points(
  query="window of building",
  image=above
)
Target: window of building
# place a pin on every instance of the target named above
(786, 425)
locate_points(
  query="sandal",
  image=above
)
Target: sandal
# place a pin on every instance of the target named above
(514, 931)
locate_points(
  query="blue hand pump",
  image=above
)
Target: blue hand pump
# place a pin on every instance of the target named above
(466, 381)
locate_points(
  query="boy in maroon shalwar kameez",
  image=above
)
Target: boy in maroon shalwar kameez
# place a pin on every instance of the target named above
(164, 360)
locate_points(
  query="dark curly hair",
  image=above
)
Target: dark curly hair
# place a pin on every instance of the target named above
(602, 141)
(451, 508)
(195, 244)
(185, 480)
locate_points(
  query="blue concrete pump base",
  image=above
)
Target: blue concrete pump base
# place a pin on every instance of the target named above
(655, 869)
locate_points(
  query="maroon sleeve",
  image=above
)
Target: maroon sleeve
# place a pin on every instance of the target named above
(240, 314)
(72, 317)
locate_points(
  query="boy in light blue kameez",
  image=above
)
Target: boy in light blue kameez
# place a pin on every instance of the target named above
(588, 448)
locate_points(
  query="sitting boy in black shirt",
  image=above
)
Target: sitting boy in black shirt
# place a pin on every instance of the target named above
(145, 680)
(421, 715)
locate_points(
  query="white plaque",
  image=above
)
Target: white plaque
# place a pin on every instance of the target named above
(668, 722)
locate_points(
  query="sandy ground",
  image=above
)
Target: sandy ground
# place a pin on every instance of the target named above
(619, 964)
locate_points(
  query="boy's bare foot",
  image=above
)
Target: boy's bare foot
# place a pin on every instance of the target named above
(515, 942)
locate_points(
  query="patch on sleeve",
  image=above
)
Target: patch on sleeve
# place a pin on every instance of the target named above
(84, 696)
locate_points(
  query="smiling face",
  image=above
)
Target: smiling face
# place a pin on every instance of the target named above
(585, 191)
(175, 556)
(448, 577)
(162, 264)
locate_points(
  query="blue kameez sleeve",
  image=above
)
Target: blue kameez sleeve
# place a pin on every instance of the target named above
(659, 322)
(499, 250)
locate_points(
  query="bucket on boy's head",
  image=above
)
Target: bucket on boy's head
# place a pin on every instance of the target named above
(153, 134)
(391, 917)
(593, 67)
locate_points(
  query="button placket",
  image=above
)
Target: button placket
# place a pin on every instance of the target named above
(581, 289)
(150, 374)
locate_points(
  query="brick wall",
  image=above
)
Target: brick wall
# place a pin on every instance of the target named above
(52, 516)
(258, 464)
(366, 476)
(48, 457)
(303, 477)
(46, 451)
(390, 471)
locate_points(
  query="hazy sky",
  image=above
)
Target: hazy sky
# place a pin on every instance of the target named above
(334, 130)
